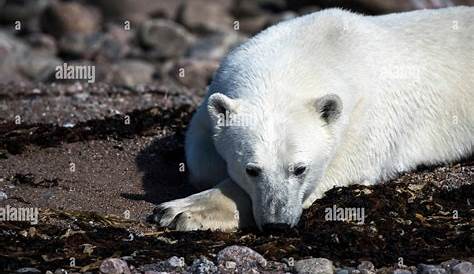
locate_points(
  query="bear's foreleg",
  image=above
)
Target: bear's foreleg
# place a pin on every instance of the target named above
(225, 207)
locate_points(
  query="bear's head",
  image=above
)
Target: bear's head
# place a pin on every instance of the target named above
(275, 150)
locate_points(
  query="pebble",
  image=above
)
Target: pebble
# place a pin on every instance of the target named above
(203, 266)
(342, 271)
(314, 266)
(449, 264)
(366, 267)
(191, 73)
(114, 266)
(70, 17)
(165, 38)
(38, 67)
(463, 268)
(132, 72)
(173, 264)
(3, 196)
(430, 269)
(240, 257)
(208, 15)
(136, 11)
(215, 46)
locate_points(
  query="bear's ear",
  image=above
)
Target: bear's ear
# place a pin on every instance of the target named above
(330, 107)
(218, 104)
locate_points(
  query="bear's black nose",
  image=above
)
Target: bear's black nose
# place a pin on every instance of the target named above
(277, 227)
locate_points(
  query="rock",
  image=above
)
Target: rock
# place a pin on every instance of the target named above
(173, 264)
(114, 44)
(114, 266)
(12, 49)
(203, 266)
(463, 268)
(42, 43)
(37, 67)
(101, 47)
(62, 18)
(240, 257)
(192, 73)
(342, 271)
(21, 10)
(137, 11)
(132, 72)
(207, 15)
(366, 267)
(28, 270)
(430, 269)
(314, 266)
(166, 38)
(215, 46)
(448, 265)
(79, 45)
(3, 196)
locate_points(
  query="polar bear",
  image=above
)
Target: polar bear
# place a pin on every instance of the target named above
(328, 99)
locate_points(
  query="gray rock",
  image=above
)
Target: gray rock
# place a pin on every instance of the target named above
(114, 266)
(173, 264)
(12, 50)
(342, 271)
(139, 10)
(366, 267)
(314, 266)
(203, 266)
(430, 269)
(114, 44)
(165, 37)
(80, 45)
(21, 10)
(240, 257)
(132, 72)
(42, 43)
(215, 46)
(38, 67)
(448, 265)
(192, 73)
(463, 268)
(176, 262)
(28, 270)
(208, 15)
(3, 196)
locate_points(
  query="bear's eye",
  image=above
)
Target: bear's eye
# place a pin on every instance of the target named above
(252, 170)
(299, 170)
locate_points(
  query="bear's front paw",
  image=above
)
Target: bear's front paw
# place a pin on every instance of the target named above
(202, 211)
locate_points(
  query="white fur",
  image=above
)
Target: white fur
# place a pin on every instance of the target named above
(406, 85)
